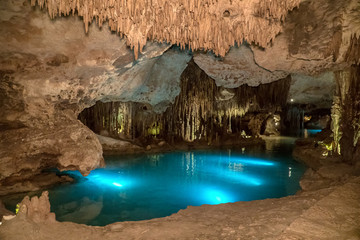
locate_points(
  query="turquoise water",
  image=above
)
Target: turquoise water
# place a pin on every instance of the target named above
(157, 185)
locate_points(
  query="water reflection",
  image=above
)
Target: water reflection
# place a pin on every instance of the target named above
(236, 167)
(157, 185)
(311, 132)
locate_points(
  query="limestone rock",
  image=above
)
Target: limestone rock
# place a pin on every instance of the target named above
(4, 212)
(36, 209)
(116, 145)
(162, 143)
(315, 37)
(236, 68)
(332, 212)
(65, 145)
(208, 25)
(318, 90)
(272, 125)
(50, 71)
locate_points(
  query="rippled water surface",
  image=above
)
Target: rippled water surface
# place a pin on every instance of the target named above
(157, 185)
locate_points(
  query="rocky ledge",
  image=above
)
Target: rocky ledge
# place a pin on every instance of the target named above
(328, 207)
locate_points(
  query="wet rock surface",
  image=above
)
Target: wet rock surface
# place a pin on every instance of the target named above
(31, 183)
(327, 213)
(50, 71)
(118, 146)
(30, 150)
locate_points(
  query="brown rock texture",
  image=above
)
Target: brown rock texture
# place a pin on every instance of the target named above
(51, 70)
(316, 37)
(36, 209)
(236, 68)
(202, 112)
(49, 73)
(346, 114)
(208, 24)
(327, 213)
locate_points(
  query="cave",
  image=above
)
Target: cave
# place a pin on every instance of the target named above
(187, 119)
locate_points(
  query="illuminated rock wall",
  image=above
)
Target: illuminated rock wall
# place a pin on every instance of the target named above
(126, 120)
(346, 114)
(200, 24)
(201, 112)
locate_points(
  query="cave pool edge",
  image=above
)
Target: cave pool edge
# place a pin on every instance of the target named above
(129, 189)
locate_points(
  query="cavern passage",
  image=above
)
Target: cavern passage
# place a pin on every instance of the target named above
(83, 79)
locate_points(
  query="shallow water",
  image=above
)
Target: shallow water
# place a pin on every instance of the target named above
(157, 185)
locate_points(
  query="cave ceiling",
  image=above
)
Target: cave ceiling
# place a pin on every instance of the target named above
(200, 24)
(73, 62)
(53, 65)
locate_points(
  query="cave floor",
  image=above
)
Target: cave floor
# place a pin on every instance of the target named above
(328, 213)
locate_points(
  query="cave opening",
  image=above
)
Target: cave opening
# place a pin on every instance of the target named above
(202, 114)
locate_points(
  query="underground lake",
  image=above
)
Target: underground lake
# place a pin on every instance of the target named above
(146, 186)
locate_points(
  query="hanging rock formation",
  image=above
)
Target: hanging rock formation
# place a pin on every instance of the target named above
(208, 25)
(49, 73)
(346, 115)
(50, 70)
(236, 68)
(201, 112)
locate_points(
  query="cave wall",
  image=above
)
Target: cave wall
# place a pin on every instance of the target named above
(316, 37)
(201, 112)
(50, 70)
(345, 112)
(346, 115)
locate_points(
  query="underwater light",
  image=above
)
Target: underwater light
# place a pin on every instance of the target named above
(313, 130)
(235, 176)
(246, 179)
(214, 196)
(255, 162)
(117, 184)
(104, 177)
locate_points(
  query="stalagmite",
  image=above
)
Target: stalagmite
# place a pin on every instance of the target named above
(231, 21)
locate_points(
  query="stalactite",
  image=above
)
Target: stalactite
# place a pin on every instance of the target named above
(198, 24)
(353, 53)
(199, 113)
(346, 114)
(336, 112)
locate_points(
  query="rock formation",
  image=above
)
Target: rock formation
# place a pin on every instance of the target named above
(208, 25)
(346, 115)
(329, 213)
(188, 70)
(36, 209)
(49, 73)
(201, 112)
(51, 70)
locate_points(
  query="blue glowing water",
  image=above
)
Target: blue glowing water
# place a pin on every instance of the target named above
(157, 185)
(304, 133)
(311, 132)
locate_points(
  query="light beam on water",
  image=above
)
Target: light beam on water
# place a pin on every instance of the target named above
(157, 185)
